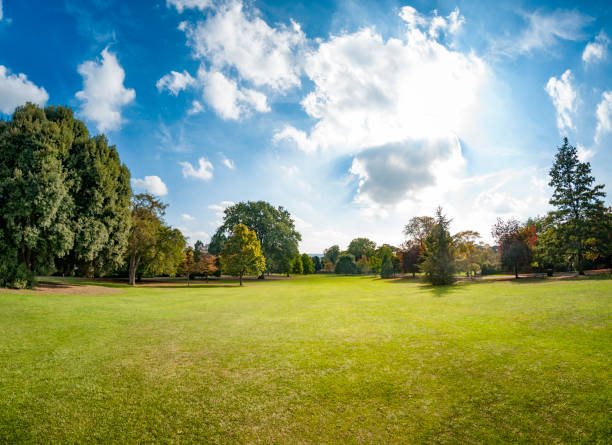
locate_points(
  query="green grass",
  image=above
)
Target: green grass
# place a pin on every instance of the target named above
(314, 360)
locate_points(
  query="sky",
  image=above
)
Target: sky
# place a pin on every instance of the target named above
(353, 115)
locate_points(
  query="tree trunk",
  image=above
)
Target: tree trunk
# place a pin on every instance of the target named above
(241, 278)
(132, 271)
(188, 277)
(580, 265)
(516, 271)
(413, 274)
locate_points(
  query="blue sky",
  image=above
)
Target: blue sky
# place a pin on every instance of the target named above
(353, 115)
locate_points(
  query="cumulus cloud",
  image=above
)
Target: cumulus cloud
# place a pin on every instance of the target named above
(196, 107)
(227, 162)
(563, 96)
(203, 172)
(219, 209)
(584, 154)
(544, 31)
(181, 5)
(103, 94)
(389, 174)
(369, 92)
(175, 82)
(187, 216)
(228, 99)
(596, 51)
(150, 184)
(604, 115)
(16, 90)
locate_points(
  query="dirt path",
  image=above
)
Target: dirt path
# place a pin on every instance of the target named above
(52, 287)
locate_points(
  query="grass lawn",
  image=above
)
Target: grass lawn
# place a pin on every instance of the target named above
(322, 359)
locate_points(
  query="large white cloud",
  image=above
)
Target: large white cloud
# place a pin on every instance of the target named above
(228, 99)
(370, 92)
(563, 96)
(181, 5)
(103, 95)
(604, 115)
(16, 90)
(150, 184)
(175, 82)
(596, 51)
(204, 171)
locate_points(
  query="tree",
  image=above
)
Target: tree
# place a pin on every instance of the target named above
(375, 264)
(307, 264)
(188, 265)
(332, 254)
(386, 256)
(296, 265)
(467, 253)
(360, 247)
(346, 264)
(513, 242)
(317, 263)
(36, 205)
(241, 253)
(207, 264)
(273, 227)
(410, 257)
(198, 249)
(577, 202)
(438, 263)
(167, 252)
(363, 265)
(419, 228)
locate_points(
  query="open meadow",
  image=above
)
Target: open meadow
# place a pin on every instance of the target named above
(319, 359)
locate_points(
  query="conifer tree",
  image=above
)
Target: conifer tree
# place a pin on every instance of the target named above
(439, 263)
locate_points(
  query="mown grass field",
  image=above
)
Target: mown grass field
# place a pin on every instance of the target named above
(311, 360)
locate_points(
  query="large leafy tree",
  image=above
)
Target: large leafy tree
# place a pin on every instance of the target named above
(439, 263)
(467, 251)
(346, 264)
(332, 254)
(35, 201)
(419, 228)
(362, 246)
(241, 253)
(514, 242)
(273, 227)
(386, 256)
(410, 256)
(307, 264)
(579, 204)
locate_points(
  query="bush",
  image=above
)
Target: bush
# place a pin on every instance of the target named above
(346, 265)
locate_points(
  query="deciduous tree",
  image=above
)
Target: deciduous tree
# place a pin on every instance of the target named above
(241, 253)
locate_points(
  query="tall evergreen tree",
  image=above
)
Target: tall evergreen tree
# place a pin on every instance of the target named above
(439, 263)
(578, 202)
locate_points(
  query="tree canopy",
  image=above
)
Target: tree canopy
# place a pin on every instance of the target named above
(241, 253)
(439, 263)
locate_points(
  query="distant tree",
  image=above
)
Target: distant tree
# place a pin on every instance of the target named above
(363, 265)
(513, 242)
(332, 254)
(386, 268)
(198, 248)
(419, 228)
(36, 208)
(467, 253)
(296, 265)
(439, 264)
(307, 264)
(317, 263)
(375, 264)
(361, 246)
(410, 257)
(577, 202)
(207, 264)
(241, 253)
(346, 264)
(167, 252)
(188, 264)
(273, 227)
(328, 266)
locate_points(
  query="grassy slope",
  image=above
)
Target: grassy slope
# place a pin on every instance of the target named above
(321, 360)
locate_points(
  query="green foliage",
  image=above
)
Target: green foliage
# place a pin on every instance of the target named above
(317, 263)
(362, 246)
(580, 216)
(273, 226)
(418, 229)
(375, 264)
(332, 254)
(241, 253)
(410, 257)
(346, 264)
(297, 267)
(513, 243)
(438, 258)
(307, 264)
(467, 252)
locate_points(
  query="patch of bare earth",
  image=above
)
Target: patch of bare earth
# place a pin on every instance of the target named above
(50, 287)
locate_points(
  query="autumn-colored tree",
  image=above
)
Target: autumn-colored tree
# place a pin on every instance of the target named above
(207, 264)
(467, 253)
(515, 243)
(241, 253)
(188, 265)
(410, 257)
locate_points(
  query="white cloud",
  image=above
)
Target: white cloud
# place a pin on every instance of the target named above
(227, 162)
(204, 171)
(187, 217)
(219, 209)
(1, 15)
(150, 184)
(544, 31)
(604, 115)
(193, 236)
(596, 51)
(175, 82)
(227, 99)
(262, 55)
(563, 96)
(196, 107)
(584, 154)
(181, 5)
(16, 90)
(103, 93)
(369, 92)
